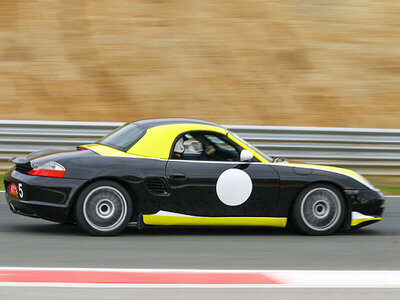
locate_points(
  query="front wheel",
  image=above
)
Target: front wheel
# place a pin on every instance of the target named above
(319, 210)
(103, 208)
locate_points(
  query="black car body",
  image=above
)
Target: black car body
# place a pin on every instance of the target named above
(144, 173)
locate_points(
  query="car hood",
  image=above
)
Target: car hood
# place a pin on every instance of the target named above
(342, 171)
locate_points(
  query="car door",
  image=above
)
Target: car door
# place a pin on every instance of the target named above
(219, 184)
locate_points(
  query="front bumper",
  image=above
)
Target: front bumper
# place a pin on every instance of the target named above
(43, 197)
(367, 208)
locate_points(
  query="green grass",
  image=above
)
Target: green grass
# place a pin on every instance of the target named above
(387, 184)
(389, 190)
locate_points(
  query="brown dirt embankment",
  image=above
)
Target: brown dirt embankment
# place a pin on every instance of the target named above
(316, 63)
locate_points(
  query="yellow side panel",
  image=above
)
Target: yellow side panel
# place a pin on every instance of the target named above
(356, 222)
(204, 221)
(157, 141)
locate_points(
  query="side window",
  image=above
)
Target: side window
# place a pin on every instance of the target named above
(205, 146)
(223, 150)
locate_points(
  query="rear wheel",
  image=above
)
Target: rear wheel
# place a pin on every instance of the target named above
(103, 208)
(319, 210)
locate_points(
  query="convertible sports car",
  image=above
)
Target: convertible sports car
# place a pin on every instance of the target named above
(185, 172)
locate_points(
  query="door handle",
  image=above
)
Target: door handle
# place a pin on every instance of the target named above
(177, 176)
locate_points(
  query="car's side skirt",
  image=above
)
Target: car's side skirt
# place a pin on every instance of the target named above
(171, 219)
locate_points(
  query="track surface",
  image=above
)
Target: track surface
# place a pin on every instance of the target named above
(197, 294)
(30, 242)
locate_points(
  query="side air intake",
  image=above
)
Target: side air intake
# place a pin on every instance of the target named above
(156, 186)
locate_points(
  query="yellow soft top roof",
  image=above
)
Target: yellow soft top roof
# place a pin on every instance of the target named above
(157, 141)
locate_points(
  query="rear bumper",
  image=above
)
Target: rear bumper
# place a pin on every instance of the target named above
(43, 197)
(39, 210)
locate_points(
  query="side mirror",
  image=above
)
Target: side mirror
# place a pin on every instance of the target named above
(246, 155)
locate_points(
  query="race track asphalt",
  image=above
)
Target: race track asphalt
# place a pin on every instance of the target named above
(28, 242)
(40, 293)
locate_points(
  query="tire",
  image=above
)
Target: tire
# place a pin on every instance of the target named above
(319, 210)
(103, 208)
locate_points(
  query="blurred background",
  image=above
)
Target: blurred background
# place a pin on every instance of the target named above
(332, 63)
(301, 63)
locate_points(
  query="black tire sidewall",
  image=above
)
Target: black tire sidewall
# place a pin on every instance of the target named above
(298, 220)
(81, 220)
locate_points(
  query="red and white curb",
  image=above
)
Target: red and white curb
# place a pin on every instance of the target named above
(188, 278)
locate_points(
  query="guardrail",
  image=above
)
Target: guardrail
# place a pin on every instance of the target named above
(368, 151)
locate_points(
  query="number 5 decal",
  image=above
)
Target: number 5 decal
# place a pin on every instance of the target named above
(20, 191)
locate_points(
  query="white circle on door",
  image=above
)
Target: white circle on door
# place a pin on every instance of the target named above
(234, 187)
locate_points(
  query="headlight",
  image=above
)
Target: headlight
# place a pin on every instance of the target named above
(365, 179)
(366, 182)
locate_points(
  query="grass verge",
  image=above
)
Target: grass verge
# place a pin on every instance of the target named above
(388, 184)
(389, 190)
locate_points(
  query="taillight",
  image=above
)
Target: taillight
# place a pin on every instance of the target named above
(50, 169)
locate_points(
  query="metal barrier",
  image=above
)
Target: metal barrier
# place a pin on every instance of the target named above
(368, 151)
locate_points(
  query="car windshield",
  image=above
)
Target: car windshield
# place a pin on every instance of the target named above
(124, 137)
(252, 147)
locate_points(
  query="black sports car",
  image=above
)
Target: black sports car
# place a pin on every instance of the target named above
(185, 172)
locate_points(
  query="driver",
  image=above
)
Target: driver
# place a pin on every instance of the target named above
(209, 151)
